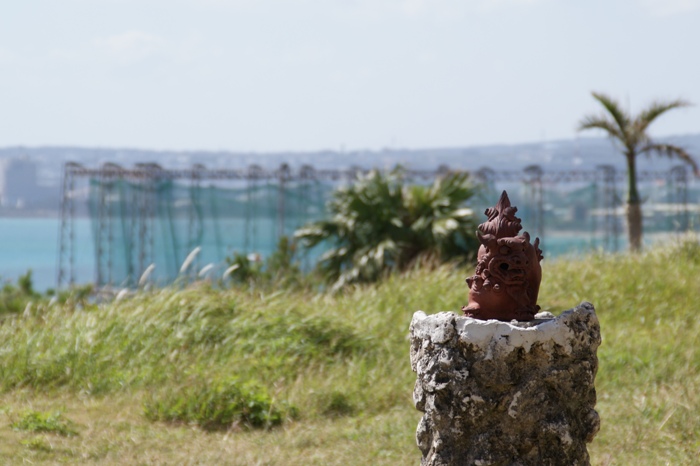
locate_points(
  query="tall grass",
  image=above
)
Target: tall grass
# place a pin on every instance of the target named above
(341, 361)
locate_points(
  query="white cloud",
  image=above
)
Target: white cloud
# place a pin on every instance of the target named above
(670, 7)
(132, 46)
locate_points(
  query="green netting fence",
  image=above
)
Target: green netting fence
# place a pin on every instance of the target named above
(146, 222)
(158, 223)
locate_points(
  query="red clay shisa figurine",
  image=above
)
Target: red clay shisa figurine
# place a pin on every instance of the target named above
(508, 273)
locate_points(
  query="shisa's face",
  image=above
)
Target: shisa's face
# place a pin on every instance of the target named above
(509, 262)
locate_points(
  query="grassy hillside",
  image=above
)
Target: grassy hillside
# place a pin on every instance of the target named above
(203, 376)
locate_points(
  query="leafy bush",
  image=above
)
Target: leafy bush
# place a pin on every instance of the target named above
(14, 298)
(218, 406)
(336, 404)
(26, 284)
(380, 224)
(304, 338)
(51, 423)
(77, 295)
(242, 269)
(37, 444)
(281, 268)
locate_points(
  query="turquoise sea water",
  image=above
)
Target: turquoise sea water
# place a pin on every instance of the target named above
(32, 243)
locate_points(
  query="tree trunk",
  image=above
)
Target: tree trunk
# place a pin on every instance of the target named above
(634, 206)
(634, 225)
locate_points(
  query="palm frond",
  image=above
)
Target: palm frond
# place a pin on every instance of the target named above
(656, 109)
(600, 122)
(671, 151)
(613, 107)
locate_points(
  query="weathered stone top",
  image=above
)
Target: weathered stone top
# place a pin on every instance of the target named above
(503, 337)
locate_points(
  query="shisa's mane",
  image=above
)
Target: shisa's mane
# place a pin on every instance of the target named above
(502, 222)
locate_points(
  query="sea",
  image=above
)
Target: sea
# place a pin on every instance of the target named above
(33, 244)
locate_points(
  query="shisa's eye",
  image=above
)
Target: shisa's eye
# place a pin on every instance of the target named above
(503, 266)
(504, 250)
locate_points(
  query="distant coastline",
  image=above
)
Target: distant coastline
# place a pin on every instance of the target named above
(30, 177)
(25, 213)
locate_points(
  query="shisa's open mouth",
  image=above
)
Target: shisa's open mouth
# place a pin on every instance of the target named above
(508, 272)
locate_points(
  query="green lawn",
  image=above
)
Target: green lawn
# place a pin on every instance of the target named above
(203, 376)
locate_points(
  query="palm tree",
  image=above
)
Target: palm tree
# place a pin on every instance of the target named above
(380, 224)
(630, 135)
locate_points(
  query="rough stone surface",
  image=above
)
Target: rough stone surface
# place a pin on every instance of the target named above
(498, 393)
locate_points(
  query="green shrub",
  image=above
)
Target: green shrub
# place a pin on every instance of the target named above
(336, 403)
(15, 298)
(381, 224)
(280, 269)
(37, 444)
(304, 338)
(218, 406)
(52, 423)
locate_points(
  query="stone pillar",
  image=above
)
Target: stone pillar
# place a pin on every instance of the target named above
(498, 393)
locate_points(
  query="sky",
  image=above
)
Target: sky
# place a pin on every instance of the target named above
(301, 75)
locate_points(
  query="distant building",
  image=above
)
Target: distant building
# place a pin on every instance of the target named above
(19, 188)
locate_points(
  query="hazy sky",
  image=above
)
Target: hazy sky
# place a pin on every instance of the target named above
(315, 74)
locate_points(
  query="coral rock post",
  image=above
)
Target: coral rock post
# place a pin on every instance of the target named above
(505, 393)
